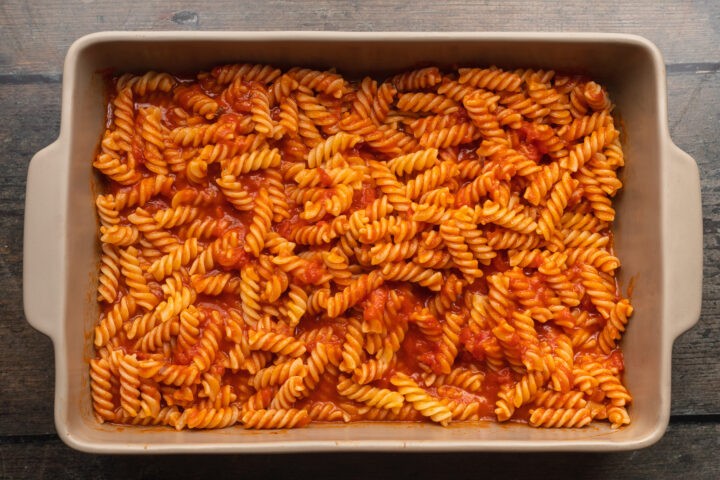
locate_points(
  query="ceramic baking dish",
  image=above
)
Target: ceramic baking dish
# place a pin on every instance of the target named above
(658, 231)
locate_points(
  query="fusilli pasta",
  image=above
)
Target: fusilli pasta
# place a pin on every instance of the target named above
(287, 247)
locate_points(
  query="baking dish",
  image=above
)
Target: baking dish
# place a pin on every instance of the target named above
(658, 231)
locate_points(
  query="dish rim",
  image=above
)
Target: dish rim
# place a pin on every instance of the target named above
(57, 334)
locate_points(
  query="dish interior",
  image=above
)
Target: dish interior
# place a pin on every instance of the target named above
(628, 70)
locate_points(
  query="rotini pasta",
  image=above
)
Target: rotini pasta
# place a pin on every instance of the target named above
(281, 247)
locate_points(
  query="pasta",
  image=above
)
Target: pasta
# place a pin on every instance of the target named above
(281, 248)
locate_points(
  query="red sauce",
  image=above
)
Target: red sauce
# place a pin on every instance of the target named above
(234, 259)
(616, 360)
(532, 151)
(477, 342)
(565, 316)
(414, 345)
(325, 179)
(312, 272)
(286, 227)
(417, 354)
(363, 197)
(375, 305)
(138, 152)
(432, 358)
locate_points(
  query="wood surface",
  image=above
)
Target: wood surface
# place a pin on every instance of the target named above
(34, 36)
(684, 452)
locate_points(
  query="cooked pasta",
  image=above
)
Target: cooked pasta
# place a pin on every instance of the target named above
(281, 248)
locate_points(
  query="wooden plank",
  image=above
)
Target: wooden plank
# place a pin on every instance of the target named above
(32, 120)
(36, 34)
(688, 450)
(32, 115)
(693, 115)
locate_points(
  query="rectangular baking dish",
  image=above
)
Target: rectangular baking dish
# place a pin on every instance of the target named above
(658, 231)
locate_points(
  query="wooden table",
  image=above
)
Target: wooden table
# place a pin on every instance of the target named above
(34, 36)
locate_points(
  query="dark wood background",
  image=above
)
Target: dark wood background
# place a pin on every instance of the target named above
(34, 36)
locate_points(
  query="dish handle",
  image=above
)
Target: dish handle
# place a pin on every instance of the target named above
(44, 240)
(683, 250)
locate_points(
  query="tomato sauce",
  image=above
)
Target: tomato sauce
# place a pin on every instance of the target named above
(419, 356)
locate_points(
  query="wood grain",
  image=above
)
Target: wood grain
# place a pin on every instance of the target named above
(688, 450)
(32, 120)
(33, 113)
(34, 36)
(694, 119)
(686, 32)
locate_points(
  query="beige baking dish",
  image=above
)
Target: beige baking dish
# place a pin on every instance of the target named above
(658, 228)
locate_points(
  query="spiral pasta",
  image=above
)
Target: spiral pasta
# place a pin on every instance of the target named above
(421, 400)
(371, 396)
(559, 418)
(280, 247)
(291, 418)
